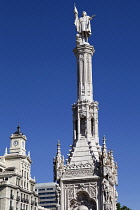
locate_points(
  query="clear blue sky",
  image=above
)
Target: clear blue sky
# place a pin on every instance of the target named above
(38, 81)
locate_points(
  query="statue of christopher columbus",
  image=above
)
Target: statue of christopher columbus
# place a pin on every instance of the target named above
(82, 24)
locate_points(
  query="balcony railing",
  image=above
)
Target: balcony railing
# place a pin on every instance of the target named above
(26, 200)
(18, 198)
(32, 202)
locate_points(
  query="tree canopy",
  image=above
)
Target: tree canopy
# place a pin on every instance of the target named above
(119, 207)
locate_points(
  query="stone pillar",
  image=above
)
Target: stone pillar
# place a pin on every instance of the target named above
(84, 54)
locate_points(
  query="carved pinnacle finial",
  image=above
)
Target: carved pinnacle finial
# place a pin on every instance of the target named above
(5, 151)
(29, 153)
(111, 154)
(104, 144)
(58, 148)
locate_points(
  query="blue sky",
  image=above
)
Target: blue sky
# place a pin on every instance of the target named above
(38, 81)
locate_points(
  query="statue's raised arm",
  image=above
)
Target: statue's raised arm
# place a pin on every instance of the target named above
(92, 17)
(82, 24)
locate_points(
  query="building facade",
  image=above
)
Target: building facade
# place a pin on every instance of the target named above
(17, 188)
(88, 179)
(47, 194)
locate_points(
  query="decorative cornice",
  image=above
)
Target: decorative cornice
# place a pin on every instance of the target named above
(84, 48)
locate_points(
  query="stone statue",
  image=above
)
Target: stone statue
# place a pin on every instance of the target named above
(82, 24)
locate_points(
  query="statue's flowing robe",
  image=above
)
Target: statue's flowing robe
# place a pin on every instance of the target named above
(83, 24)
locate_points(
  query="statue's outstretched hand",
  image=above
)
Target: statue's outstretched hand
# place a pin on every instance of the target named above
(93, 16)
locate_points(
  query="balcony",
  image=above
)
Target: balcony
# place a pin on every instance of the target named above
(32, 202)
(18, 198)
(22, 199)
(26, 200)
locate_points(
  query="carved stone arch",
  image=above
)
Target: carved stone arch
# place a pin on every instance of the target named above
(82, 196)
(83, 202)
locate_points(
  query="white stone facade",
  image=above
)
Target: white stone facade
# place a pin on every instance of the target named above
(17, 188)
(88, 179)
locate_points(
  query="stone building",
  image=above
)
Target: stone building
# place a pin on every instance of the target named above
(17, 188)
(88, 179)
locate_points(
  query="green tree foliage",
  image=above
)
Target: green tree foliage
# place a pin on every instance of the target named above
(119, 207)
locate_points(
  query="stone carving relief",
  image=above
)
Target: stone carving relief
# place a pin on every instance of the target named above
(109, 167)
(107, 207)
(81, 194)
(80, 170)
(71, 192)
(108, 195)
(90, 188)
(82, 114)
(82, 201)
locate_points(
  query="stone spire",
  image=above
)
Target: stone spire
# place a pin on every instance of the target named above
(58, 162)
(104, 144)
(58, 149)
(6, 151)
(85, 110)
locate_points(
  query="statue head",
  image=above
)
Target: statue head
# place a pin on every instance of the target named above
(84, 13)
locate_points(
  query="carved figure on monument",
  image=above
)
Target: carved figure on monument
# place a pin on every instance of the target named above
(106, 193)
(83, 25)
(107, 207)
(107, 196)
(58, 192)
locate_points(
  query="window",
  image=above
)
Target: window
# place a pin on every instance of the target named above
(46, 193)
(47, 202)
(21, 183)
(31, 187)
(49, 197)
(16, 205)
(10, 203)
(11, 194)
(41, 189)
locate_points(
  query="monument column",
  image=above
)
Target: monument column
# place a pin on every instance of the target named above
(87, 180)
(84, 52)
